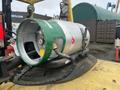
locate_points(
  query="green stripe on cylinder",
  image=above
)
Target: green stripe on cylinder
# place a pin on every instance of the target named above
(51, 31)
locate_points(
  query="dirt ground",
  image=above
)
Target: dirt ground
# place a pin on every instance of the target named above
(102, 51)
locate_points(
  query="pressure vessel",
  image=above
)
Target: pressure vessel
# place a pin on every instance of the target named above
(37, 39)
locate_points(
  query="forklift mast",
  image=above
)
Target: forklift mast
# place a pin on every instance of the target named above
(6, 25)
(66, 10)
(6, 10)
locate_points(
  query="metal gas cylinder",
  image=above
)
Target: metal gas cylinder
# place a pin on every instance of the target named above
(37, 39)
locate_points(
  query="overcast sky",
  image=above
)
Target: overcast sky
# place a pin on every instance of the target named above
(51, 7)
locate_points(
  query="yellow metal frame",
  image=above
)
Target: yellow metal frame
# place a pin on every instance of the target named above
(70, 13)
(117, 6)
(30, 1)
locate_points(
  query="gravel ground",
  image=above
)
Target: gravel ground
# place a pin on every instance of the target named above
(102, 51)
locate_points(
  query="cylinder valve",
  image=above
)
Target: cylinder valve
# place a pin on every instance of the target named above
(37, 39)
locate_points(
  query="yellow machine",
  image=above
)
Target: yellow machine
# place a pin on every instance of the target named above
(105, 75)
(49, 51)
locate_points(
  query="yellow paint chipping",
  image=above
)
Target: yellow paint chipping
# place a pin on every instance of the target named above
(42, 52)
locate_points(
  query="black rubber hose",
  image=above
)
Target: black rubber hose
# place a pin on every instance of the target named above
(14, 63)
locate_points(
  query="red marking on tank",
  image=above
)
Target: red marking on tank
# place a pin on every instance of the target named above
(73, 39)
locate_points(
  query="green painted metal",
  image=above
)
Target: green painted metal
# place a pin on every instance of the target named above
(51, 31)
(86, 11)
(58, 32)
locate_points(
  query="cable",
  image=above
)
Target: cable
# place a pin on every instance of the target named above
(11, 32)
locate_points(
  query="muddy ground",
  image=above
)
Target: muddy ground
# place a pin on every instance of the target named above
(102, 51)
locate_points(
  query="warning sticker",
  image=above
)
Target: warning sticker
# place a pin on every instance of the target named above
(73, 40)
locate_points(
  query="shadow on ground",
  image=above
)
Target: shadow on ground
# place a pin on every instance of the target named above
(103, 51)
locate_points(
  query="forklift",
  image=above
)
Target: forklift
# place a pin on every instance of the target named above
(54, 75)
(48, 65)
